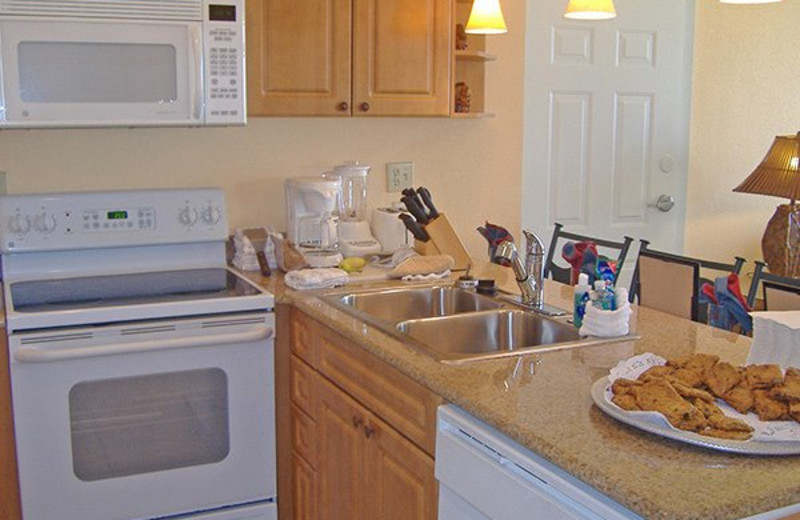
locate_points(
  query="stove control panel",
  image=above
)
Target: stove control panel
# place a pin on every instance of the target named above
(64, 221)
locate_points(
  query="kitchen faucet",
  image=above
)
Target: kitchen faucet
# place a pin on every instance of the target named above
(530, 274)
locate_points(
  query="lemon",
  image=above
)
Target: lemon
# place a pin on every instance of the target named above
(352, 264)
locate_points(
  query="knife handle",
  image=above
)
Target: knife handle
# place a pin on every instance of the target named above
(425, 195)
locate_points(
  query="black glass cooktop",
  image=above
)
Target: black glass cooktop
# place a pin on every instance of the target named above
(128, 289)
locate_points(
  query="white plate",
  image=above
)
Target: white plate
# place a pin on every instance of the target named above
(656, 423)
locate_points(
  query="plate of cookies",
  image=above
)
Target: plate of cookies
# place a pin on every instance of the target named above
(700, 400)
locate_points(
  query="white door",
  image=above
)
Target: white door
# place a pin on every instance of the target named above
(607, 121)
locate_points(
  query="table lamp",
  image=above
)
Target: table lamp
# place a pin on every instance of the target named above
(779, 175)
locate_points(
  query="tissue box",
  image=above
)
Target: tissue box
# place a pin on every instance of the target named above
(776, 338)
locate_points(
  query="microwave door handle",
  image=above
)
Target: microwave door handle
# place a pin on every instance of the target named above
(198, 88)
(44, 355)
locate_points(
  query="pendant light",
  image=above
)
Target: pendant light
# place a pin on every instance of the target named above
(590, 10)
(742, 2)
(486, 17)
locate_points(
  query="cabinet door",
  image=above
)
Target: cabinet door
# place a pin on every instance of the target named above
(400, 482)
(298, 57)
(341, 443)
(401, 57)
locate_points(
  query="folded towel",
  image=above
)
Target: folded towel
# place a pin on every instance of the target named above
(323, 278)
(419, 264)
(244, 256)
(425, 277)
(776, 336)
(597, 322)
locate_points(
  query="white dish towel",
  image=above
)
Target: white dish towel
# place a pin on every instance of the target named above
(323, 278)
(776, 338)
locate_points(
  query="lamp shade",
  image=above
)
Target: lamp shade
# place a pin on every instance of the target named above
(486, 17)
(590, 10)
(779, 172)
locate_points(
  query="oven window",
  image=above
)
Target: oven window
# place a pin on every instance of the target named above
(149, 423)
(96, 72)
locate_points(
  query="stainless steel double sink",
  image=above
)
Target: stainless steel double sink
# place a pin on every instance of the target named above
(455, 325)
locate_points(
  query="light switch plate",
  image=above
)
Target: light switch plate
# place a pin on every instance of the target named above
(399, 176)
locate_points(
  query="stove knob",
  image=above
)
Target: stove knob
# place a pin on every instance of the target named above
(211, 215)
(19, 224)
(188, 216)
(44, 223)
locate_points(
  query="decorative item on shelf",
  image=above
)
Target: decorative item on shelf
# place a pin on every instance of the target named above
(779, 175)
(462, 98)
(486, 17)
(590, 10)
(461, 38)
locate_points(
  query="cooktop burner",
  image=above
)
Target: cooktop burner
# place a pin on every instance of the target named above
(128, 289)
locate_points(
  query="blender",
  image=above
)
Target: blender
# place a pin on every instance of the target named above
(355, 237)
(311, 205)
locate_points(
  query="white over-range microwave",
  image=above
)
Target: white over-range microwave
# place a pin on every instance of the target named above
(121, 63)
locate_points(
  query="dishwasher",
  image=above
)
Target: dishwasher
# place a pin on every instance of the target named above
(484, 475)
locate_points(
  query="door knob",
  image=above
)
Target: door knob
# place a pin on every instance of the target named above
(663, 203)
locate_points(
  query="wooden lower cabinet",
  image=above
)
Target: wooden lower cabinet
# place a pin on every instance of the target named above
(367, 469)
(354, 458)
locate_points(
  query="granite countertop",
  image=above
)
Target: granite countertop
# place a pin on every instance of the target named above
(543, 402)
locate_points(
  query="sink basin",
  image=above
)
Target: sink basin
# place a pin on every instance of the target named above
(396, 305)
(489, 334)
(454, 325)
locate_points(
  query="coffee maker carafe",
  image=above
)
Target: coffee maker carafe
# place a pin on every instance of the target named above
(355, 237)
(312, 220)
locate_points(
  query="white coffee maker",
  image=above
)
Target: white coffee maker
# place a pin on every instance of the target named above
(355, 237)
(311, 207)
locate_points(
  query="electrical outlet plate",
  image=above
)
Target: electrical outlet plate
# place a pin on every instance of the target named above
(399, 176)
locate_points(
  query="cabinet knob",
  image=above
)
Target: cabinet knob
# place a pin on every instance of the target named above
(369, 431)
(365, 107)
(343, 106)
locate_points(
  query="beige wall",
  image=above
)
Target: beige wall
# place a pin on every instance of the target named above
(472, 167)
(746, 81)
(745, 92)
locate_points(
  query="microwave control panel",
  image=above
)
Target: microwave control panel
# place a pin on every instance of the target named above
(223, 42)
(65, 221)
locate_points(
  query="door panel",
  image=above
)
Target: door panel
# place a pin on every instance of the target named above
(339, 421)
(401, 60)
(400, 478)
(607, 118)
(298, 57)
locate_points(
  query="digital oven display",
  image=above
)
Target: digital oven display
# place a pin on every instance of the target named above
(222, 13)
(117, 215)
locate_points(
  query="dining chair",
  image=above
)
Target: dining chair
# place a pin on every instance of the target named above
(780, 293)
(563, 274)
(671, 283)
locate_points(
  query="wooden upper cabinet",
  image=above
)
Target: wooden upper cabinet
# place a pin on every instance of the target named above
(401, 57)
(349, 57)
(298, 57)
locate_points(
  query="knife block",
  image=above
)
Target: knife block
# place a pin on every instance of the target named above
(444, 241)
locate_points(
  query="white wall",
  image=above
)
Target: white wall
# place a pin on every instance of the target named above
(472, 167)
(746, 91)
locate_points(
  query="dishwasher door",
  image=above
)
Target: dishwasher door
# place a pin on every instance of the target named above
(484, 475)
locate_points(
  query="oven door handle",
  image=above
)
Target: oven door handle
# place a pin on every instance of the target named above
(44, 355)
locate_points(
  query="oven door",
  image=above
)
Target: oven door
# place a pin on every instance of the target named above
(100, 73)
(147, 419)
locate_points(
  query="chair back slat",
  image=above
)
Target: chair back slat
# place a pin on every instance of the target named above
(780, 293)
(563, 274)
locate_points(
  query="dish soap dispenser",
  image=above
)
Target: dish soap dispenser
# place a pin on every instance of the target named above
(582, 291)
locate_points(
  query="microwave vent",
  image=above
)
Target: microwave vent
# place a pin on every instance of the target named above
(124, 9)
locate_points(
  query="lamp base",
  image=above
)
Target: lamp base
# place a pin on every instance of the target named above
(781, 242)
